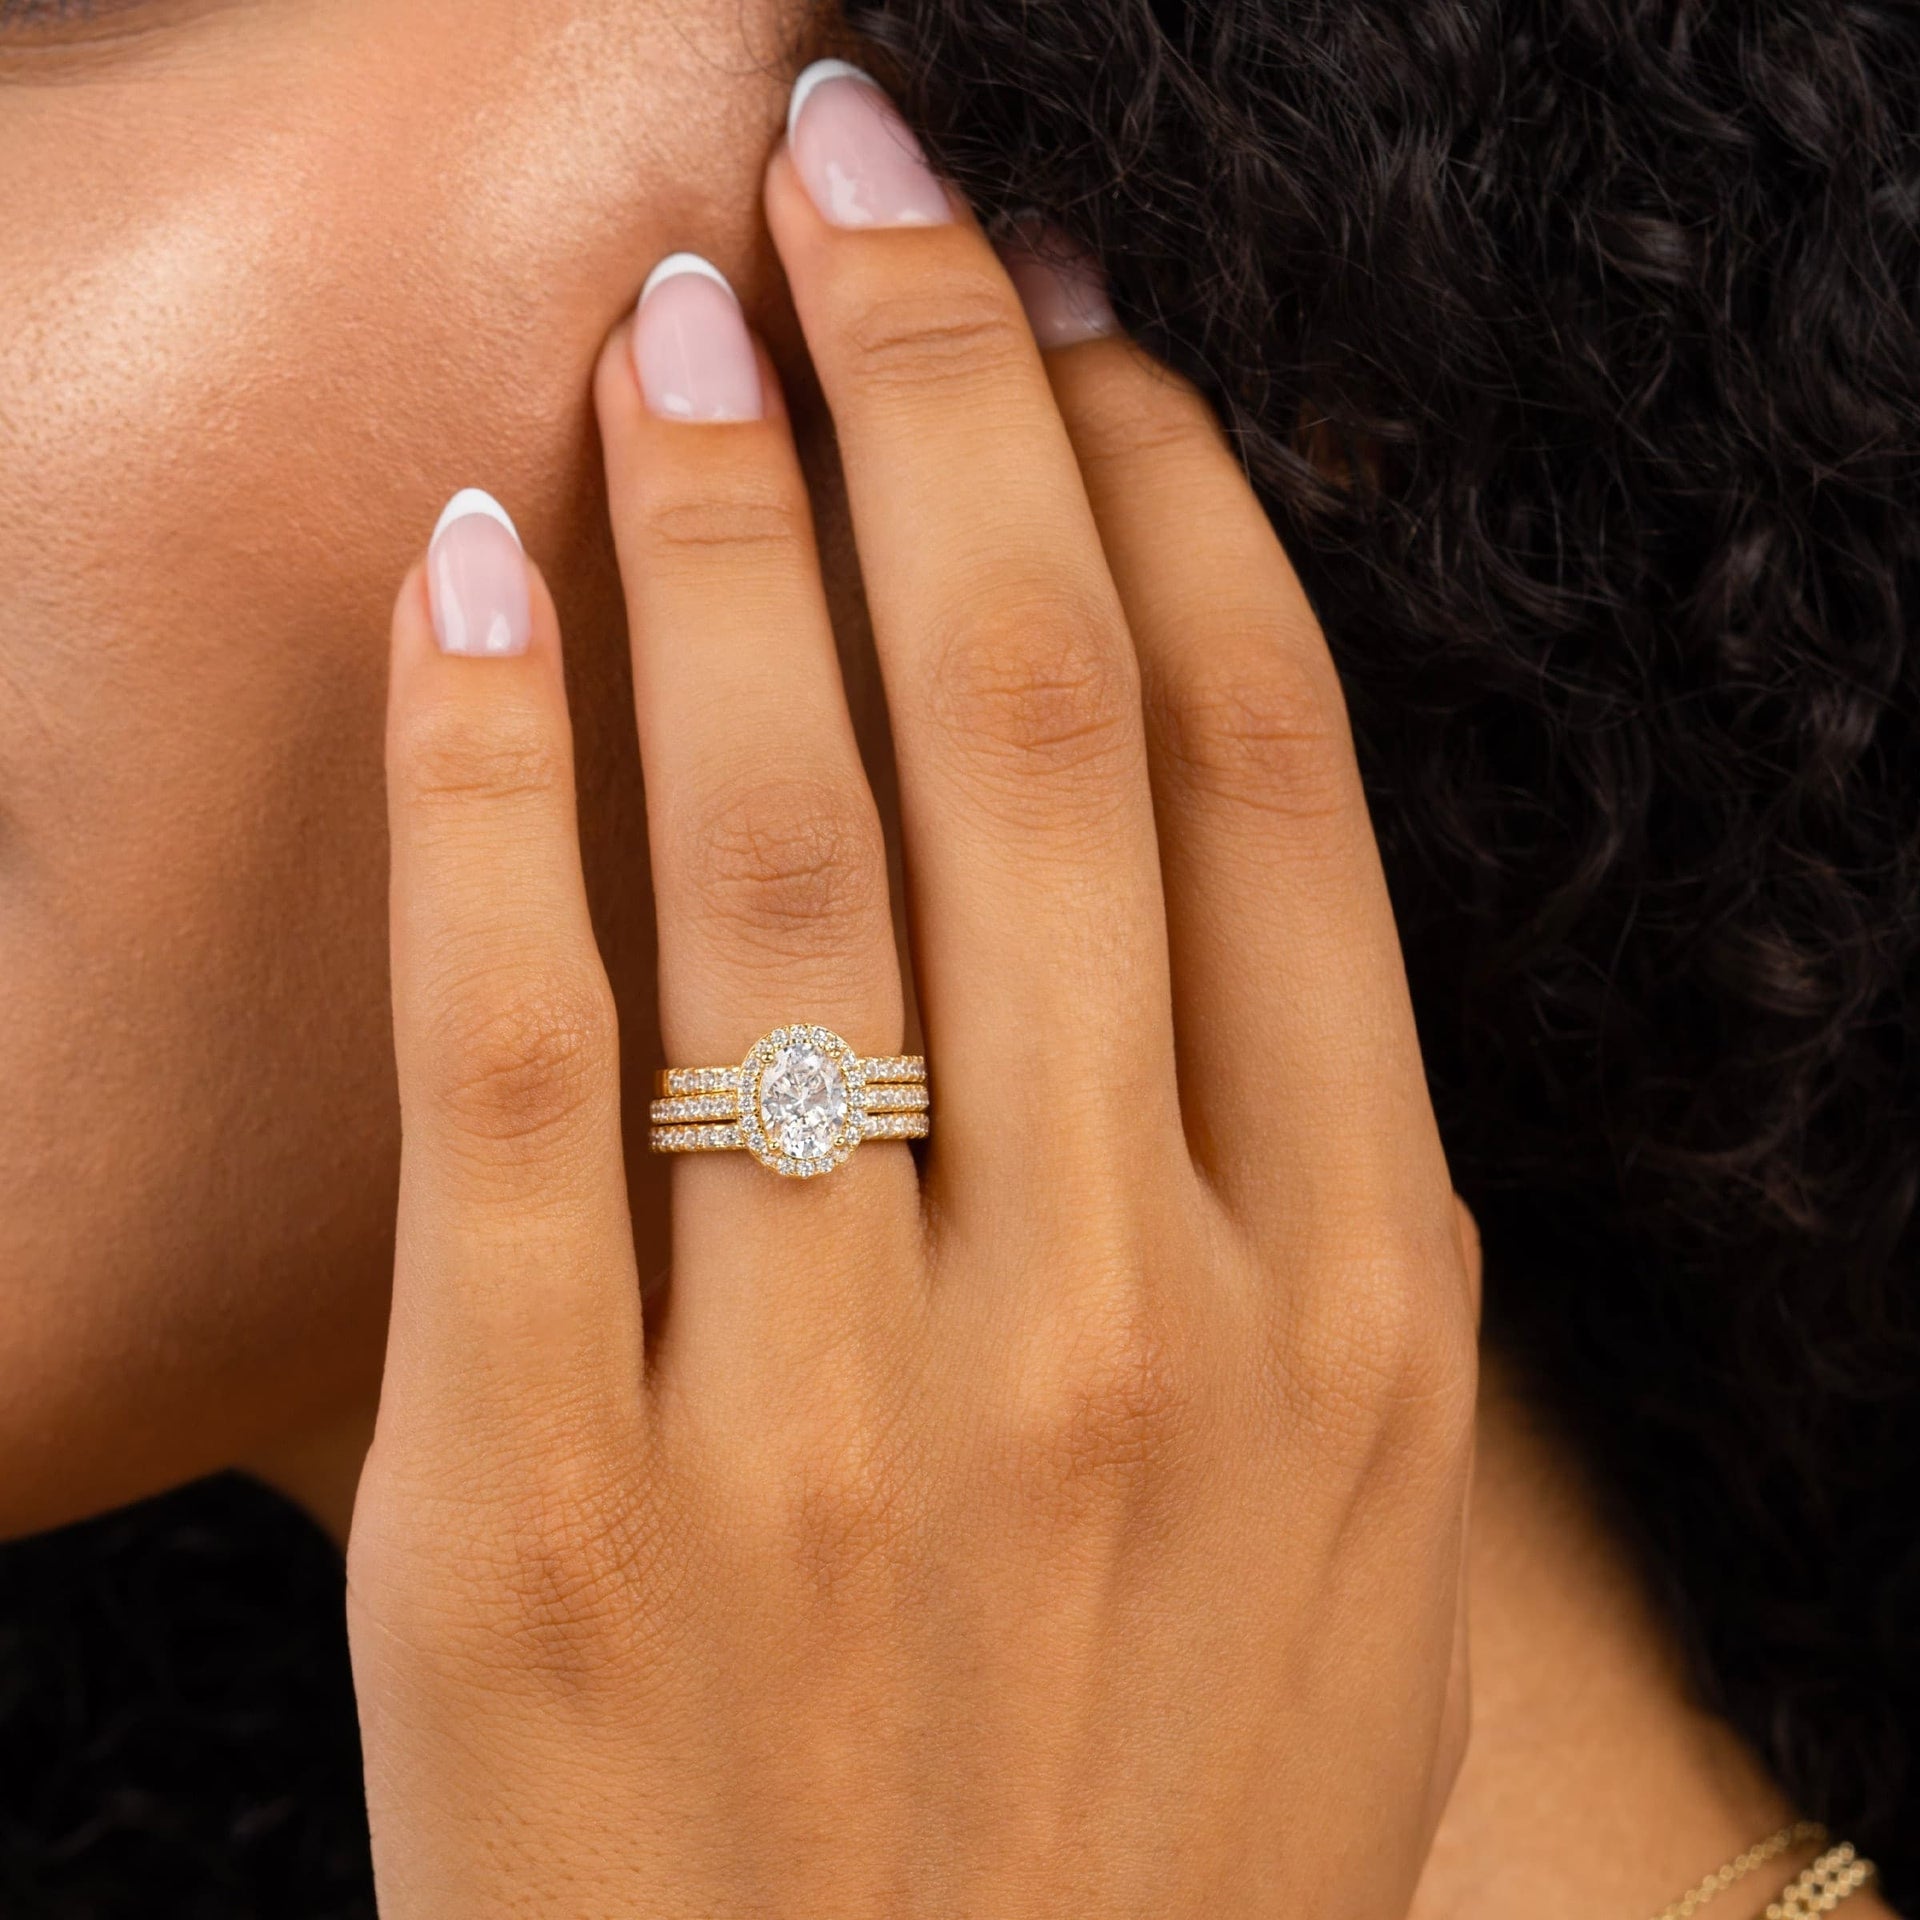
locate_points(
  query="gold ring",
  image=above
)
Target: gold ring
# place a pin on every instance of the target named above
(800, 1102)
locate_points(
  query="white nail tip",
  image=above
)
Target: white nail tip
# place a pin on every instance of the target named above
(469, 501)
(678, 263)
(810, 77)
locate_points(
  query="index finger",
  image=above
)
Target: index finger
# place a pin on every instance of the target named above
(515, 1283)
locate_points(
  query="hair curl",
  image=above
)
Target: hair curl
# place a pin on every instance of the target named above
(1604, 318)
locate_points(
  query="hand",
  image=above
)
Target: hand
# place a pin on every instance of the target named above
(1070, 1521)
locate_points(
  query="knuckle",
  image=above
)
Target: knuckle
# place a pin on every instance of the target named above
(1104, 1400)
(1041, 679)
(519, 1053)
(572, 1557)
(1134, 411)
(510, 1582)
(838, 1501)
(899, 343)
(845, 1518)
(795, 864)
(1392, 1354)
(1260, 723)
(453, 754)
(743, 523)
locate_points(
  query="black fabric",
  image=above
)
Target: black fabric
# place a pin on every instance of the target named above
(177, 1738)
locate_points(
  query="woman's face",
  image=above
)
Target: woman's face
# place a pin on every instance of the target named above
(276, 277)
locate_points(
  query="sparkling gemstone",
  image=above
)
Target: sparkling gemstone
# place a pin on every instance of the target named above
(803, 1099)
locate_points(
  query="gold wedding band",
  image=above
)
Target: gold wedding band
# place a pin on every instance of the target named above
(800, 1102)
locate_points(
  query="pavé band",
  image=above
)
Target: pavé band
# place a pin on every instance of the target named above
(800, 1102)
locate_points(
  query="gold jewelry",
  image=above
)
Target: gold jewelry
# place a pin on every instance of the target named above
(1837, 1875)
(800, 1102)
(1798, 1833)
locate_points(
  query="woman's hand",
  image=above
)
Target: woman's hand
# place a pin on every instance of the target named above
(1071, 1522)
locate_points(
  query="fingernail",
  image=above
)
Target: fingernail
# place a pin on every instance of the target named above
(477, 579)
(691, 347)
(857, 158)
(1059, 283)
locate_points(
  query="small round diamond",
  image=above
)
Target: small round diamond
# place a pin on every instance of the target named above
(803, 1098)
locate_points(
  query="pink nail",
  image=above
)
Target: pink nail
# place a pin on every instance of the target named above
(477, 579)
(691, 348)
(1059, 283)
(858, 159)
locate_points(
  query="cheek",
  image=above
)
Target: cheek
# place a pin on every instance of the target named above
(268, 297)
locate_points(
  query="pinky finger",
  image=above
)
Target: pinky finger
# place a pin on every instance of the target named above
(515, 1290)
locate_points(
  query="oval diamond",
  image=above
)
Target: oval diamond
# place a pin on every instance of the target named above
(803, 1100)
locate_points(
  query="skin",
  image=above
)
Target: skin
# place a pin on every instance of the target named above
(225, 415)
(278, 278)
(1076, 1518)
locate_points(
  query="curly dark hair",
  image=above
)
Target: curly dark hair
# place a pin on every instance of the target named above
(1605, 314)
(1574, 346)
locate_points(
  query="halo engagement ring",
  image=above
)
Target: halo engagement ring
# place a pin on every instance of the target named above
(800, 1102)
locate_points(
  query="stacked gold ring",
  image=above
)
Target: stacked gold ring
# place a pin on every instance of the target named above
(800, 1102)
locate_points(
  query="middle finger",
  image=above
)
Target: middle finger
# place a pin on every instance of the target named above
(1026, 811)
(769, 872)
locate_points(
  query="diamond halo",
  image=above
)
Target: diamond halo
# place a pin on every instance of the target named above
(802, 1101)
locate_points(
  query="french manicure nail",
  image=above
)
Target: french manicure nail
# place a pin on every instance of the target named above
(857, 158)
(691, 347)
(477, 579)
(1059, 283)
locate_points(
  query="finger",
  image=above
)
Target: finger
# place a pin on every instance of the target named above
(769, 868)
(514, 1284)
(1027, 819)
(1300, 1062)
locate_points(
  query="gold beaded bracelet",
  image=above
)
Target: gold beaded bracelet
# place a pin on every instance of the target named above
(1798, 1833)
(1836, 1874)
